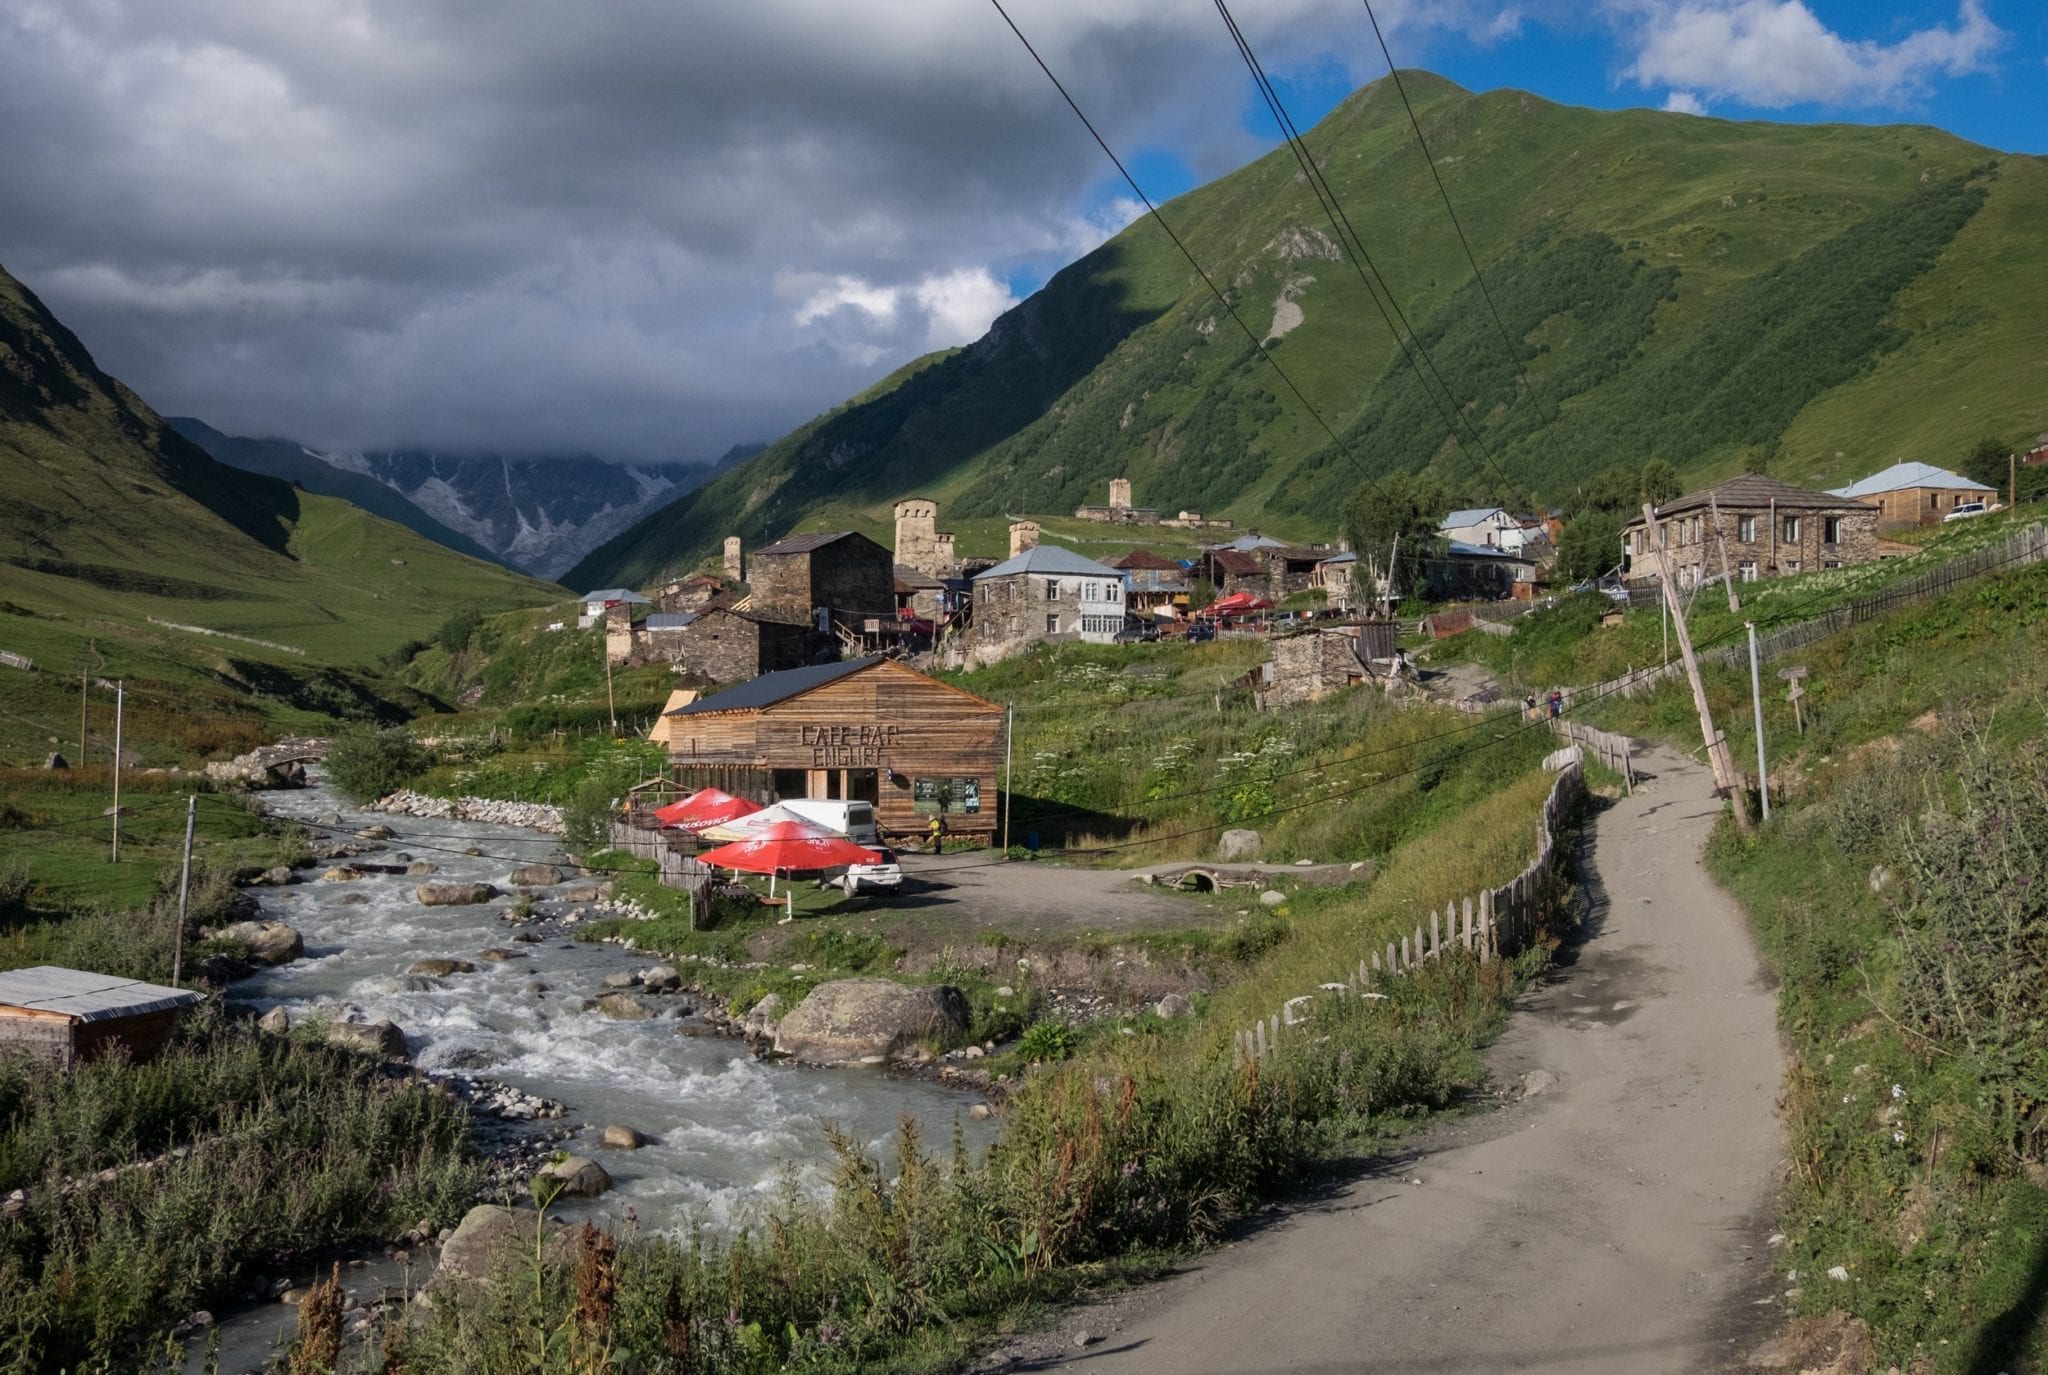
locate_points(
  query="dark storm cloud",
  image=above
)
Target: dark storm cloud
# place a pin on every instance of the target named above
(635, 229)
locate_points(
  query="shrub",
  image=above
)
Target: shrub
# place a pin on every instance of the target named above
(367, 763)
(1046, 1042)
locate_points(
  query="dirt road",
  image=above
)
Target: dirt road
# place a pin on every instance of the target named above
(1612, 1221)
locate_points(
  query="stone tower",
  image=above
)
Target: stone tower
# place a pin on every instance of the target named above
(1023, 535)
(735, 561)
(917, 534)
(1119, 494)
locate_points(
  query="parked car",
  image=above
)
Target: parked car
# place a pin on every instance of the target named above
(886, 877)
(1966, 510)
(1201, 630)
(1138, 633)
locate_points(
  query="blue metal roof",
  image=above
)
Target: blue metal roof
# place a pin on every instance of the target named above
(1050, 558)
(1903, 475)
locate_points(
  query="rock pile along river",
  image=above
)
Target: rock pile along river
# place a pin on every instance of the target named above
(723, 1124)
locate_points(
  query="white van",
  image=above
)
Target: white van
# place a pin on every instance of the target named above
(854, 820)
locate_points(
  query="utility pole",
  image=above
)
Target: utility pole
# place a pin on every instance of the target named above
(1726, 780)
(610, 706)
(1009, 793)
(2012, 478)
(184, 889)
(120, 695)
(1721, 538)
(81, 713)
(1756, 701)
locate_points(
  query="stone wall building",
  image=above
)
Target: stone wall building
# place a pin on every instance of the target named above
(1152, 582)
(1119, 511)
(920, 544)
(1044, 594)
(727, 646)
(1768, 528)
(1309, 666)
(843, 573)
(1909, 494)
(735, 561)
(1023, 535)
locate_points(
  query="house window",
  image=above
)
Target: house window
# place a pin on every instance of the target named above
(1746, 570)
(1790, 530)
(1830, 563)
(1052, 624)
(1745, 530)
(1831, 529)
(1052, 591)
(1791, 565)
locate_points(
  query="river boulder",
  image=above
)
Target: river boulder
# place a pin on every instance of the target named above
(342, 873)
(494, 1239)
(869, 1021)
(624, 1007)
(535, 876)
(269, 942)
(621, 1138)
(454, 894)
(581, 1177)
(375, 831)
(661, 978)
(275, 1022)
(382, 1039)
(759, 1023)
(441, 969)
(421, 868)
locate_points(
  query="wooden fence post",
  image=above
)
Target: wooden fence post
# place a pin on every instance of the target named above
(1466, 941)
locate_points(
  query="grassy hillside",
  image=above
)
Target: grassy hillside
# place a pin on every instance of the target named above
(1824, 299)
(282, 458)
(231, 602)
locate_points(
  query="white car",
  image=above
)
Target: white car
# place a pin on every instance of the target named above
(886, 877)
(1966, 510)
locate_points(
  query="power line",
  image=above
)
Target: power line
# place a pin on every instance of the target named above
(1333, 210)
(1514, 354)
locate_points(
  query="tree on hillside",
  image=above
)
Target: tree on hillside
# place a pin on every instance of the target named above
(1589, 545)
(1407, 506)
(1986, 461)
(1660, 482)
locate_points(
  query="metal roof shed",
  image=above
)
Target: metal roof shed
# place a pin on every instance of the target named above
(66, 1015)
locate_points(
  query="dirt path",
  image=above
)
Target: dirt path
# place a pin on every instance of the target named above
(1614, 1221)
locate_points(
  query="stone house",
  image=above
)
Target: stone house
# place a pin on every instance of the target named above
(688, 594)
(596, 604)
(727, 646)
(1267, 568)
(1461, 572)
(1045, 593)
(1915, 494)
(1333, 575)
(842, 573)
(1768, 528)
(1309, 666)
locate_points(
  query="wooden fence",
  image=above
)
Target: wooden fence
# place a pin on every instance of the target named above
(1499, 922)
(677, 870)
(1616, 752)
(20, 661)
(2028, 546)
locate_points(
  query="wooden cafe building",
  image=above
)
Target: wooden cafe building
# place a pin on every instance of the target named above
(867, 730)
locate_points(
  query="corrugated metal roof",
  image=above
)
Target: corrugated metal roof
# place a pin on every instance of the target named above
(770, 688)
(668, 620)
(917, 578)
(1238, 562)
(1903, 475)
(85, 996)
(1253, 540)
(803, 544)
(1470, 516)
(1049, 558)
(1144, 558)
(617, 594)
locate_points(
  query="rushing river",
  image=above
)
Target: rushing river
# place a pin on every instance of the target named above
(723, 1123)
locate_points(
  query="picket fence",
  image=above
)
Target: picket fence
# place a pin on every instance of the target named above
(2028, 546)
(1500, 922)
(1616, 752)
(20, 661)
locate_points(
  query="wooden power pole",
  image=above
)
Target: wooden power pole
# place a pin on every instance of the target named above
(1721, 538)
(1726, 780)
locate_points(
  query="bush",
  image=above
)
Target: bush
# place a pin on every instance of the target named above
(366, 763)
(1046, 1042)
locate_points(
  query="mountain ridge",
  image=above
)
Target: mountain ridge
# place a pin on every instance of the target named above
(1631, 252)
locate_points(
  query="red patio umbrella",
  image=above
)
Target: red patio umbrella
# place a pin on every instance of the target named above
(707, 808)
(790, 847)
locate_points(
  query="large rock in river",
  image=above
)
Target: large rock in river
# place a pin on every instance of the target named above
(869, 1021)
(441, 968)
(269, 942)
(581, 1177)
(492, 1239)
(536, 876)
(454, 894)
(382, 1039)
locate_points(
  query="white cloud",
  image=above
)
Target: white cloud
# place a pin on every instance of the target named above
(1776, 53)
(1684, 103)
(959, 306)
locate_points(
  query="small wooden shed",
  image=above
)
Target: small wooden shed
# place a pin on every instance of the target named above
(68, 1015)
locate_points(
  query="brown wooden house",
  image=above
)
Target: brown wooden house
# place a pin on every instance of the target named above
(68, 1015)
(866, 729)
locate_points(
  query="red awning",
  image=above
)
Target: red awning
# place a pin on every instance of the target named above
(707, 808)
(790, 847)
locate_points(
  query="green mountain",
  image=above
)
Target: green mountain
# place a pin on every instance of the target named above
(286, 459)
(1825, 299)
(225, 599)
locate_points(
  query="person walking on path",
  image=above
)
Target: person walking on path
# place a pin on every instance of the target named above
(1556, 704)
(938, 835)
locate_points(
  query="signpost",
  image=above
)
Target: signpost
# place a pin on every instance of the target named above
(1794, 693)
